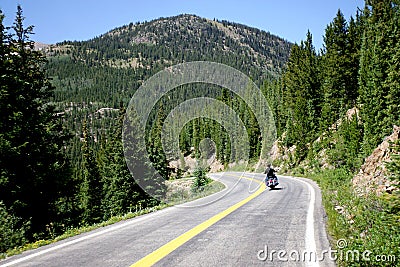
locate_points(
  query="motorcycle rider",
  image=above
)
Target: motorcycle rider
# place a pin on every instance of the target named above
(270, 172)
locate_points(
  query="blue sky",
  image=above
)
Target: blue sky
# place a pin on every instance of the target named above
(59, 20)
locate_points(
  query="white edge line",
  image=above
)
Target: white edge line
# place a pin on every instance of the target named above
(310, 244)
(310, 239)
(68, 243)
(109, 229)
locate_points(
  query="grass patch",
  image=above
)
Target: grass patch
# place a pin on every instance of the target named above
(236, 168)
(244, 167)
(365, 222)
(179, 194)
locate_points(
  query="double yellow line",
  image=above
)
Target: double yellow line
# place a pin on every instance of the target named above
(163, 251)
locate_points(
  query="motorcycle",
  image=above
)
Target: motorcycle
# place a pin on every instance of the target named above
(271, 182)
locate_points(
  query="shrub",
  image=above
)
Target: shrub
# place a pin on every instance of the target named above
(12, 229)
(201, 179)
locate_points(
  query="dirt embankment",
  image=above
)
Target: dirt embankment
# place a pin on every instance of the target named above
(373, 176)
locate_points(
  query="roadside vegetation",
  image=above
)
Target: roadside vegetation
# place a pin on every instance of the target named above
(53, 237)
(175, 195)
(366, 223)
(332, 109)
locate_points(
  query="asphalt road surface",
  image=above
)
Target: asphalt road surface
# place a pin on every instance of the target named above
(243, 225)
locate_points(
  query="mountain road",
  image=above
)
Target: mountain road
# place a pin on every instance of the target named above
(246, 224)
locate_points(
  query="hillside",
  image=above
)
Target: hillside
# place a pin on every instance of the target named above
(92, 78)
(118, 61)
(336, 114)
(183, 38)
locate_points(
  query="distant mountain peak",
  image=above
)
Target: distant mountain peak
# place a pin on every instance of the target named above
(208, 39)
(163, 42)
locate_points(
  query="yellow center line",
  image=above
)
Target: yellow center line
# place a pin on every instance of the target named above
(163, 251)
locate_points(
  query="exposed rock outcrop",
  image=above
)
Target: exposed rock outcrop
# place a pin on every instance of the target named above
(372, 177)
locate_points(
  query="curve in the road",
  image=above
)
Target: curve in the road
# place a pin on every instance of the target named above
(163, 251)
(215, 230)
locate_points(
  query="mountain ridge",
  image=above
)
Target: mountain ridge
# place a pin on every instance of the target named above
(231, 29)
(184, 38)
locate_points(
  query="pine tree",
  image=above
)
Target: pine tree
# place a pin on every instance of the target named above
(273, 92)
(91, 184)
(354, 40)
(302, 96)
(121, 193)
(152, 184)
(393, 80)
(34, 173)
(347, 146)
(378, 79)
(335, 87)
(156, 151)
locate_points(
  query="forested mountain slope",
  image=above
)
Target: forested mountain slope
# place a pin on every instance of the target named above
(125, 56)
(93, 78)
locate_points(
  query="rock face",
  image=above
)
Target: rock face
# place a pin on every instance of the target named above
(372, 177)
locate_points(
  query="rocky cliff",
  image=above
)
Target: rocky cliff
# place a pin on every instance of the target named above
(372, 177)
